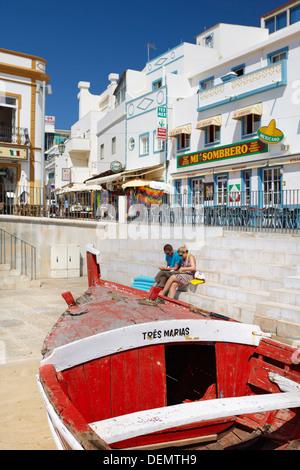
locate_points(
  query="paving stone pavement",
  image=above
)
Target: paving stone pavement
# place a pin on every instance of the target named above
(27, 316)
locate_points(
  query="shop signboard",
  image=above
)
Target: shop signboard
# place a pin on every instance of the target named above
(234, 192)
(66, 174)
(270, 134)
(116, 166)
(13, 153)
(216, 154)
(161, 131)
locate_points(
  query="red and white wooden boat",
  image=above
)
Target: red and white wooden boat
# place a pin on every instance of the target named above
(121, 370)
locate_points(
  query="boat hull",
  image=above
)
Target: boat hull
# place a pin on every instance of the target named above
(124, 370)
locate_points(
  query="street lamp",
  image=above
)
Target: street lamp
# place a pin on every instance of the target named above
(61, 148)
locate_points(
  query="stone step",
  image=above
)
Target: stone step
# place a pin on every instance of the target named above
(279, 311)
(235, 310)
(233, 294)
(292, 282)
(13, 279)
(4, 271)
(286, 296)
(147, 263)
(246, 267)
(256, 256)
(19, 282)
(246, 241)
(228, 283)
(254, 282)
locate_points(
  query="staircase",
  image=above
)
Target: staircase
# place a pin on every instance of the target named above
(17, 262)
(250, 277)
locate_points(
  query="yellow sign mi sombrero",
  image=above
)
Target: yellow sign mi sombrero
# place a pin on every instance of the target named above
(270, 134)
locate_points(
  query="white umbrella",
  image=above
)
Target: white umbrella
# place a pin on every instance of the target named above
(23, 190)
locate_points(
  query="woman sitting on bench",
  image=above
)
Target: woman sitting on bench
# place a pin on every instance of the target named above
(186, 273)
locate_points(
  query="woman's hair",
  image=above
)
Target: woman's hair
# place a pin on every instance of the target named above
(183, 249)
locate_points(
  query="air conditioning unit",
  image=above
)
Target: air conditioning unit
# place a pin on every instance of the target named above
(285, 147)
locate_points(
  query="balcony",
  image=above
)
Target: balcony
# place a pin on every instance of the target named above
(260, 80)
(78, 145)
(14, 135)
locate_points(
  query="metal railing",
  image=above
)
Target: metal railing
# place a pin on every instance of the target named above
(32, 201)
(251, 211)
(242, 210)
(14, 135)
(18, 254)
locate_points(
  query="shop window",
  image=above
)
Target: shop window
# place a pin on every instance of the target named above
(178, 192)
(183, 142)
(272, 186)
(250, 124)
(197, 191)
(144, 145)
(8, 181)
(221, 189)
(212, 134)
(208, 191)
(246, 194)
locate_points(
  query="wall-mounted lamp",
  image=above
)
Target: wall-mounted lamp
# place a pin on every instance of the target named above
(61, 148)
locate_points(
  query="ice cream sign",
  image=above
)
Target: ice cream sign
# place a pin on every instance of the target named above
(270, 134)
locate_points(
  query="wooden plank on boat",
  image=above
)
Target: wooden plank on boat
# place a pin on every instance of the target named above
(145, 334)
(232, 368)
(159, 419)
(179, 443)
(98, 378)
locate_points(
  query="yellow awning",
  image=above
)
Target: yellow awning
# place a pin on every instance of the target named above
(213, 121)
(181, 130)
(253, 109)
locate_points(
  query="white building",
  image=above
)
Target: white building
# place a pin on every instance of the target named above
(251, 80)
(82, 148)
(23, 82)
(234, 85)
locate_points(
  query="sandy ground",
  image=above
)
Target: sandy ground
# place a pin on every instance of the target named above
(26, 316)
(23, 420)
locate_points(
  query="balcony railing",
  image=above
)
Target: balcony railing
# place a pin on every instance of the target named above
(14, 135)
(263, 79)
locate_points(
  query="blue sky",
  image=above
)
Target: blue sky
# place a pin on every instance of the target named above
(88, 40)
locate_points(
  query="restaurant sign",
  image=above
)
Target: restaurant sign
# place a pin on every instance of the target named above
(240, 149)
(14, 153)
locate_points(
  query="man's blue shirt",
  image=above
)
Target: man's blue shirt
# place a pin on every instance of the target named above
(172, 260)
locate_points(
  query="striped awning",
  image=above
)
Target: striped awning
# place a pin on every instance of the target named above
(187, 129)
(213, 121)
(253, 109)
